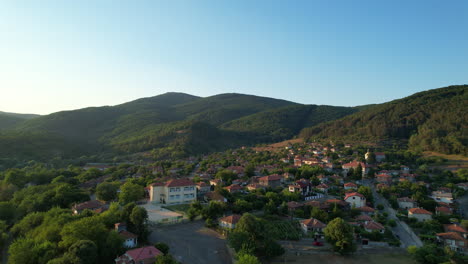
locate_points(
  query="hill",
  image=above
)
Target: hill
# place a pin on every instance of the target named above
(174, 124)
(9, 120)
(434, 120)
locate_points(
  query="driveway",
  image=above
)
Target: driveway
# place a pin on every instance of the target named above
(402, 230)
(192, 243)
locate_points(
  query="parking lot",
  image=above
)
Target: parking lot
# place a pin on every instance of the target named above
(192, 243)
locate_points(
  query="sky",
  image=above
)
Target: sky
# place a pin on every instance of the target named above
(63, 55)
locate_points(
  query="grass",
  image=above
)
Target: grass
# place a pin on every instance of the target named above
(336, 259)
(179, 208)
(453, 162)
(283, 230)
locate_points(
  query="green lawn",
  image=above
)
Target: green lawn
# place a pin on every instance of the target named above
(179, 208)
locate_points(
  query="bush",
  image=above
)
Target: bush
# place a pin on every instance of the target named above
(380, 206)
(392, 222)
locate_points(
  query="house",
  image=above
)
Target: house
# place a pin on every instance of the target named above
(443, 210)
(93, 205)
(420, 214)
(406, 203)
(363, 218)
(294, 205)
(457, 229)
(215, 196)
(350, 186)
(379, 156)
(202, 188)
(229, 221)
(322, 187)
(441, 196)
(463, 185)
(144, 255)
(371, 226)
(301, 187)
(130, 239)
(366, 210)
(312, 225)
(404, 169)
(355, 199)
(271, 181)
(216, 182)
(453, 240)
(233, 188)
(384, 178)
(175, 191)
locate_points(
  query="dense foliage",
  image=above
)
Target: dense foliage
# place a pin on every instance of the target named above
(434, 120)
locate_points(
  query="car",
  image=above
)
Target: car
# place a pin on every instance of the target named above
(317, 244)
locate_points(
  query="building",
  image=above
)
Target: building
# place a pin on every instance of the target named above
(384, 178)
(371, 226)
(144, 255)
(453, 240)
(312, 225)
(420, 214)
(406, 203)
(350, 186)
(355, 199)
(440, 196)
(229, 221)
(202, 188)
(379, 156)
(271, 181)
(233, 188)
(366, 210)
(443, 210)
(175, 191)
(130, 239)
(457, 229)
(93, 205)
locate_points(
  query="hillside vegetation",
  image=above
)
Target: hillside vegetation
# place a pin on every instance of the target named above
(434, 120)
(171, 125)
(9, 120)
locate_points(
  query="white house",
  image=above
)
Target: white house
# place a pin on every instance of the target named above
(130, 239)
(420, 214)
(355, 199)
(175, 191)
(371, 226)
(444, 197)
(453, 240)
(312, 225)
(229, 221)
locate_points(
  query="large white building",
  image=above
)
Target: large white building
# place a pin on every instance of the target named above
(175, 191)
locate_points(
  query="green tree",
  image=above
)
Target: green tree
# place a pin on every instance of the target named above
(138, 221)
(85, 251)
(130, 192)
(107, 191)
(163, 247)
(340, 235)
(165, 259)
(319, 214)
(248, 259)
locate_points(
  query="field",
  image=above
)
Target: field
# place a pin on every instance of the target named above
(336, 259)
(283, 230)
(453, 162)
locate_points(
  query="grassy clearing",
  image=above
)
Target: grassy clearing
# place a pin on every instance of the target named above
(283, 230)
(179, 208)
(453, 162)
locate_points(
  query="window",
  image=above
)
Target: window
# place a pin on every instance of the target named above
(171, 189)
(171, 197)
(177, 189)
(178, 196)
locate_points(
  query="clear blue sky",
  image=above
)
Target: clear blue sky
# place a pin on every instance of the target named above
(58, 55)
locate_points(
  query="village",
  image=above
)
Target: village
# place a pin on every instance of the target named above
(392, 201)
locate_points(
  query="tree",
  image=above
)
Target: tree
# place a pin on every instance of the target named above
(138, 222)
(107, 191)
(130, 192)
(367, 192)
(85, 251)
(319, 214)
(340, 235)
(165, 259)
(163, 247)
(429, 253)
(250, 225)
(248, 259)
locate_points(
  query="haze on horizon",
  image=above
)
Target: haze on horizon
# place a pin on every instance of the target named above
(59, 55)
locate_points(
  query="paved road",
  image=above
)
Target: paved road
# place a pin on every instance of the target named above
(192, 243)
(402, 230)
(463, 205)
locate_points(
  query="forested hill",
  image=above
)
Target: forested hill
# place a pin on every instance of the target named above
(434, 120)
(172, 124)
(9, 120)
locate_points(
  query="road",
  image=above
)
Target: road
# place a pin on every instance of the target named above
(402, 230)
(192, 243)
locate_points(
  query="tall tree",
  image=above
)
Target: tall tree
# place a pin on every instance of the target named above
(340, 235)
